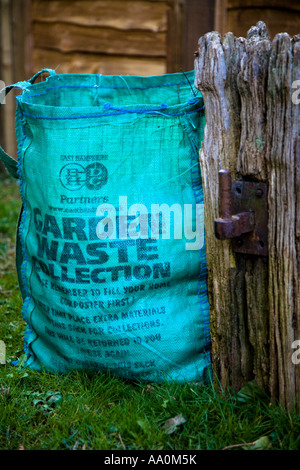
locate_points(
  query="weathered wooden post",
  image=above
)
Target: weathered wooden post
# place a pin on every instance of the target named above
(252, 128)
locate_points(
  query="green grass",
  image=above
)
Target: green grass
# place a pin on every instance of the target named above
(84, 410)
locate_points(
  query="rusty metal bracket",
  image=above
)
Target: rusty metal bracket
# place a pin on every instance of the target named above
(243, 215)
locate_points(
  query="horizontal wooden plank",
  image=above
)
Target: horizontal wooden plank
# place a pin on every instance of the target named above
(239, 21)
(96, 63)
(121, 14)
(281, 4)
(73, 38)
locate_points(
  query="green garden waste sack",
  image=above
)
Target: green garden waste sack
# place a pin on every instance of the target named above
(111, 248)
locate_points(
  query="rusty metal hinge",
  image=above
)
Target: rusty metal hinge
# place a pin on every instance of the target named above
(243, 215)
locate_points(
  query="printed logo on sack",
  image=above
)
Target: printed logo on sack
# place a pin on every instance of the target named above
(74, 176)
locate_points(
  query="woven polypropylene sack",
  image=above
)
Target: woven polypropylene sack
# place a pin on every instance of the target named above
(112, 248)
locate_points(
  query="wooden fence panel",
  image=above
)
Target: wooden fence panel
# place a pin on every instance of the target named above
(252, 129)
(101, 36)
(15, 61)
(102, 40)
(116, 14)
(76, 62)
(278, 15)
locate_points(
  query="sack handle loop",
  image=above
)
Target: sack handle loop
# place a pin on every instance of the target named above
(9, 162)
